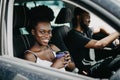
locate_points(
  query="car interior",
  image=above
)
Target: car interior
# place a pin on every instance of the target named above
(23, 39)
(60, 32)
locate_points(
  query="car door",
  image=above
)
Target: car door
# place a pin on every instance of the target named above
(12, 68)
(2, 27)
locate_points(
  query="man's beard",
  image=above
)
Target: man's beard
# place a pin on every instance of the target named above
(84, 27)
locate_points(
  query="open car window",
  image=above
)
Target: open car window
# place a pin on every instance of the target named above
(97, 23)
(17, 40)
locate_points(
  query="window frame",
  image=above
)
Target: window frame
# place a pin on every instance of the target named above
(7, 38)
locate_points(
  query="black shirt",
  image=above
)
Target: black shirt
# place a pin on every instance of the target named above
(76, 42)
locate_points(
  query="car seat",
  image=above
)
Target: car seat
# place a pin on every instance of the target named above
(20, 21)
(60, 32)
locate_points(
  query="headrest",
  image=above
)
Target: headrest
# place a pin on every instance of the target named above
(64, 16)
(20, 16)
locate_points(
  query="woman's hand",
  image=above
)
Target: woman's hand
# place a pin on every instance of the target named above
(70, 66)
(61, 62)
(67, 59)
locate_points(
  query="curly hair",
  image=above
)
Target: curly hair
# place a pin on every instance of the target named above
(40, 14)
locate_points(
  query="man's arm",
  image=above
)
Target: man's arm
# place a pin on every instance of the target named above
(100, 29)
(103, 42)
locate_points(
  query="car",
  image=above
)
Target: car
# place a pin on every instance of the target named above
(15, 39)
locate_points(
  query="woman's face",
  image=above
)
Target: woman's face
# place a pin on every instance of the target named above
(42, 33)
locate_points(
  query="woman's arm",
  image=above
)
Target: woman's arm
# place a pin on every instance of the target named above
(70, 64)
(30, 57)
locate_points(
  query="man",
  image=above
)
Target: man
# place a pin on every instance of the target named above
(81, 44)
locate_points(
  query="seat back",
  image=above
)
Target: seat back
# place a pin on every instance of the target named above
(20, 20)
(60, 32)
(64, 16)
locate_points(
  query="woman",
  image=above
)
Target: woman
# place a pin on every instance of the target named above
(42, 52)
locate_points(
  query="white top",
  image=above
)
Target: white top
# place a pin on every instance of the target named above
(43, 62)
(40, 61)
